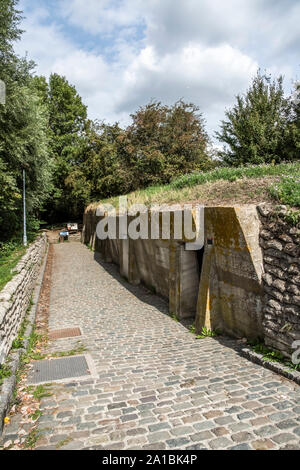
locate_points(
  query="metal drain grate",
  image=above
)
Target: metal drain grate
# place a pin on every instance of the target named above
(53, 370)
(65, 333)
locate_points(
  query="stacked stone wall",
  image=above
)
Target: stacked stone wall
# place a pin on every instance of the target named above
(280, 243)
(15, 297)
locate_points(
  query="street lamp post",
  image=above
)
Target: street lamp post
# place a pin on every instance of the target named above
(24, 208)
(2, 92)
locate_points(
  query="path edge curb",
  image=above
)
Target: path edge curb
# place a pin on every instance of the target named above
(277, 367)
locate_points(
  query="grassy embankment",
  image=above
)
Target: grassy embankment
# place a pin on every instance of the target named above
(226, 186)
(10, 254)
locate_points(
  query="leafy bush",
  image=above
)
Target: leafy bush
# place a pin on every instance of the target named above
(287, 190)
(6, 248)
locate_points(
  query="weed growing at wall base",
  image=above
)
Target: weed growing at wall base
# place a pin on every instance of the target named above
(207, 333)
(174, 317)
(5, 373)
(272, 355)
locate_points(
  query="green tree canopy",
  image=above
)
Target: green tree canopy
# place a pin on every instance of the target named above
(161, 143)
(292, 144)
(255, 128)
(66, 133)
(164, 142)
(23, 130)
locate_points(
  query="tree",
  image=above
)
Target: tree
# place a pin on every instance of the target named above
(23, 131)
(67, 125)
(104, 166)
(292, 136)
(164, 142)
(101, 173)
(255, 129)
(10, 32)
(9, 200)
(185, 140)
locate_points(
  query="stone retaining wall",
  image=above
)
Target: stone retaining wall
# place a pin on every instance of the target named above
(280, 244)
(15, 297)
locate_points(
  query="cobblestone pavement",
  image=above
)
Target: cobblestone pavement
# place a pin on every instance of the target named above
(157, 387)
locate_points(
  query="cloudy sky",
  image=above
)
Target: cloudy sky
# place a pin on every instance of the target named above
(121, 53)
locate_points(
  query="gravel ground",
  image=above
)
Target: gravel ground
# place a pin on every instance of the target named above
(157, 386)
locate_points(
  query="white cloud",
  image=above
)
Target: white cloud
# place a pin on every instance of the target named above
(100, 16)
(209, 77)
(44, 43)
(205, 52)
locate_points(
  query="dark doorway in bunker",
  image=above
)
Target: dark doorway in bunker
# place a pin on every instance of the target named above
(191, 268)
(200, 256)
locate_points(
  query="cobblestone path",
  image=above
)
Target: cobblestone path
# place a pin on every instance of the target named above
(157, 387)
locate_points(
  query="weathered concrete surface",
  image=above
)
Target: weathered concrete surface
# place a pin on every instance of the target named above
(230, 294)
(163, 265)
(247, 285)
(158, 387)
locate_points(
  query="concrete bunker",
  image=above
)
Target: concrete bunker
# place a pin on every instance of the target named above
(230, 294)
(215, 282)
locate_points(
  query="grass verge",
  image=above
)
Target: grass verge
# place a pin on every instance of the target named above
(224, 185)
(10, 254)
(8, 261)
